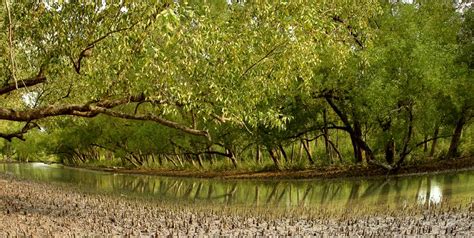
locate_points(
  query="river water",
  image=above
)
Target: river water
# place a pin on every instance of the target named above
(422, 190)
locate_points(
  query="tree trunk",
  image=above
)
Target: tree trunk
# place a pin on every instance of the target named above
(355, 132)
(334, 148)
(435, 142)
(199, 159)
(232, 158)
(390, 151)
(283, 153)
(131, 158)
(180, 161)
(210, 156)
(160, 160)
(308, 152)
(405, 151)
(326, 137)
(190, 159)
(258, 155)
(300, 151)
(274, 158)
(171, 160)
(357, 135)
(456, 138)
(292, 154)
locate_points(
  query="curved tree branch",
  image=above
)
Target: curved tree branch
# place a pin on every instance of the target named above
(59, 110)
(150, 117)
(25, 83)
(19, 134)
(92, 109)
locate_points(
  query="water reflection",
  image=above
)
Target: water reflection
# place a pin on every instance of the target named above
(431, 194)
(424, 190)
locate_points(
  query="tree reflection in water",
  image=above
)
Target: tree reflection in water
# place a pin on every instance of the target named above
(429, 193)
(342, 194)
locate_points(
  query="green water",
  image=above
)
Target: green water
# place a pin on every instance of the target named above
(425, 190)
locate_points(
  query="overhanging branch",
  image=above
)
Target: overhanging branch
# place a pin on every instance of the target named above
(92, 109)
(19, 134)
(59, 110)
(24, 83)
(150, 117)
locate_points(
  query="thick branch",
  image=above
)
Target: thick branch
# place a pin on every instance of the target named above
(19, 134)
(341, 115)
(25, 83)
(92, 109)
(58, 110)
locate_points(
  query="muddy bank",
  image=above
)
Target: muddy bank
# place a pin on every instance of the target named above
(34, 208)
(329, 172)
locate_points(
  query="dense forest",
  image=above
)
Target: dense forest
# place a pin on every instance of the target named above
(223, 85)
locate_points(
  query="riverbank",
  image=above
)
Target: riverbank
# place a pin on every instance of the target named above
(328, 172)
(33, 208)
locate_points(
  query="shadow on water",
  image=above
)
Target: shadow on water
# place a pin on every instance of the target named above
(426, 190)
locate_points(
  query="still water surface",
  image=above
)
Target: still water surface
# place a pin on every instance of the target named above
(425, 190)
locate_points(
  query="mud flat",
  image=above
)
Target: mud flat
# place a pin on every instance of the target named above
(30, 208)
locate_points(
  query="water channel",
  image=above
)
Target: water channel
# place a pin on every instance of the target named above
(424, 190)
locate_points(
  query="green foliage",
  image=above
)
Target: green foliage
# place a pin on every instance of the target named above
(352, 76)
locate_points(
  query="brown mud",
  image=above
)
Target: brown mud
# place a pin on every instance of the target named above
(49, 210)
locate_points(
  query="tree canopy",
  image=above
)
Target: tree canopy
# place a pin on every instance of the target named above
(191, 78)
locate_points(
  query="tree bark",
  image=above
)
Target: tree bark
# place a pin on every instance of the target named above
(308, 153)
(405, 151)
(456, 138)
(282, 150)
(23, 83)
(390, 151)
(199, 159)
(232, 158)
(257, 154)
(274, 158)
(92, 109)
(334, 148)
(356, 137)
(355, 132)
(326, 137)
(292, 154)
(435, 142)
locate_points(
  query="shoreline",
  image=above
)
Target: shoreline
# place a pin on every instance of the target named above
(349, 172)
(329, 173)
